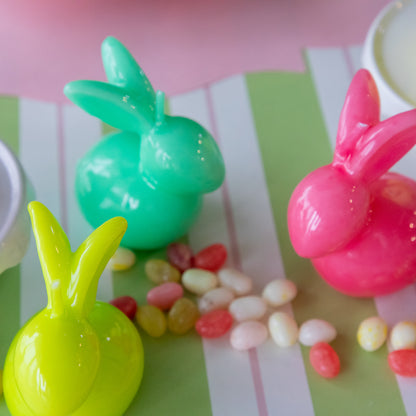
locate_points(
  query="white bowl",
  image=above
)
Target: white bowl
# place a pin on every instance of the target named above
(391, 27)
(14, 219)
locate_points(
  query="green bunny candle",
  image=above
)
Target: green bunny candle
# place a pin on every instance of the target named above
(77, 356)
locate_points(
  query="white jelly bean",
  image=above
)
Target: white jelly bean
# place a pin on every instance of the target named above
(233, 279)
(249, 334)
(199, 281)
(372, 333)
(123, 259)
(403, 336)
(218, 298)
(248, 308)
(283, 329)
(316, 330)
(278, 292)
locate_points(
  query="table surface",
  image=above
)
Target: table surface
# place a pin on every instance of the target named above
(269, 83)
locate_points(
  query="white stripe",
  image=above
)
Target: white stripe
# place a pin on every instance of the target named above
(400, 305)
(355, 53)
(229, 375)
(331, 77)
(282, 370)
(81, 132)
(38, 143)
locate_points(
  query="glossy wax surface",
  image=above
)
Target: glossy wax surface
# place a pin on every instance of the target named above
(76, 356)
(156, 170)
(353, 218)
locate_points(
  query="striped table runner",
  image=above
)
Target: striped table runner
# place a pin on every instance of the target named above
(273, 128)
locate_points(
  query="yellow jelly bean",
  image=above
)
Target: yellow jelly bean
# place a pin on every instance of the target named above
(160, 271)
(152, 320)
(123, 259)
(182, 316)
(372, 333)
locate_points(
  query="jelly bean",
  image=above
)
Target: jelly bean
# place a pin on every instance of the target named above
(278, 292)
(160, 271)
(248, 308)
(165, 295)
(123, 259)
(283, 329)
(403, 336)
(233, 279)
(199, 281)
(180, 256)
(247, 335)
(316, 330)
(403, 362)
(324, 360)
(126, 304)
(211, 258)
(372, 333)
(214, 324)
(218, 298)
(182, 316)
(152, 320)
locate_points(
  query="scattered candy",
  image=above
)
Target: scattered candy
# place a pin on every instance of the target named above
(126, 304)
(372, 333)
(199, 281)
(218, 298)
(180, 256)
(316, 330)
(403, 362)
(152, 320)
(233, 279)
(123, 259)
(211, 258)
(248, 308)
(214, 324)
(160, 271)
(182, 316)
(324, 360)
(403, 336)
(283, 329)
(280, 291)
(165, 295)
(247, 335)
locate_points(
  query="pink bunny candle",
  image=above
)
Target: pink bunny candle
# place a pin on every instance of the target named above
(355, 220)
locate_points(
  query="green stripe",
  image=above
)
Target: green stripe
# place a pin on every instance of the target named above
(175, 380)
(10, 279)
(293, 141)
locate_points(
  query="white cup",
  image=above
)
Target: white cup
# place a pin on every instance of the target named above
(15, 192)
(375, 55)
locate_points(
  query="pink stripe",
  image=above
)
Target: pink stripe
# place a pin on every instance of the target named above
(62, 168)
(236, 262)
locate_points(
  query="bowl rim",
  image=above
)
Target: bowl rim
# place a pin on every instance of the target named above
(368, 55)
(16, 179)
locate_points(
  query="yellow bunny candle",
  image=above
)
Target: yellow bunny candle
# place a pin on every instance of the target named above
(77, 356)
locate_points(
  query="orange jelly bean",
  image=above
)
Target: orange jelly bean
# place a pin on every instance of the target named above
(211, 258)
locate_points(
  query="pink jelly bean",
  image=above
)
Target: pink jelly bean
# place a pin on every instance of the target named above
(180, 256)
(211, 258)
(165, 295)
(126, 304)
(324, 360)
(403, 362)
(214, 324)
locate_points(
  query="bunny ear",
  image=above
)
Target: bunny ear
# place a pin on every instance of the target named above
(122, 70)
(54, 253)
(383, 145)
(361, 110)
(112, 104)
(89, 261)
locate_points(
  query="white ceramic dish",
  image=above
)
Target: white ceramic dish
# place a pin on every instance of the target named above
(389, 55)
(14, 218)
